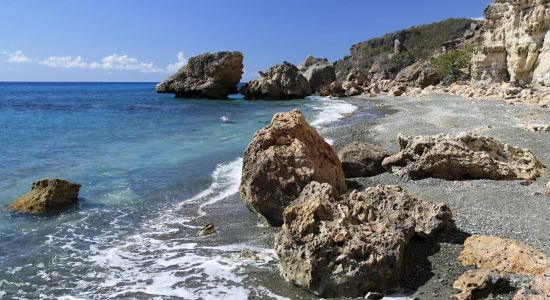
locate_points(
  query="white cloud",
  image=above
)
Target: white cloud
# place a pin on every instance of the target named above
(113, 62)
(172, 68)
(16, 57)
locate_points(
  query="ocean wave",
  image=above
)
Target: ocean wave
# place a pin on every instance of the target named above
(330, 110)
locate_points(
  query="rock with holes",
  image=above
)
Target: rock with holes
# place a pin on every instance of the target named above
(537, 289)
(479, 284)
(462, 156)
(47, 195)
(281, 160)
(503, 255)
(348, 246)
(209, 75)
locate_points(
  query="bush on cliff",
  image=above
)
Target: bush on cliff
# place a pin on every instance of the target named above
(450, 65)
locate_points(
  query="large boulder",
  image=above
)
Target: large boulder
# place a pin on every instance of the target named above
(462, 156)
(209, 75)
(420, 74)
(362, 159)
(537, 289)
(46, 195)
(515, 43)
(346, 247)
(281, 160)
(280, 82)
(318, 72)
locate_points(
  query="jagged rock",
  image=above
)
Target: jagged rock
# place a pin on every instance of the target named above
(361, 159)
(356, 77)
(397, 90)
(420, 74)
(280, 82)
(462, 156)
(333, 89)
(503, 255)
(535, 127)
(318, 72)
(514, 44)
(46, 195)
(479, 284)
(208, 229)
(537, 289)
(346, 247)
(281, 160)
(351, 88)
(209, 75)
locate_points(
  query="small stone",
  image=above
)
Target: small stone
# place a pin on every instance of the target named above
(208, 229)
(374, 295)
(479, 283)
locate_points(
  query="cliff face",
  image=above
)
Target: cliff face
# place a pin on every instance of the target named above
(418, 42)
(515, 43)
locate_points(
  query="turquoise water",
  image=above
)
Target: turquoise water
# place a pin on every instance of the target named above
(138, 155)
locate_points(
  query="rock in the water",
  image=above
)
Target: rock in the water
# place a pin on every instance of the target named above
(280, 82)
(503, 255)
(537, 289)
(46, 195)
(318, 72)
(361, 159)
(281, 160)
(347, 247)
(209, 75)
(208, 229)
(420, 74)
(462, 156)
(515, 44)
(479, 284)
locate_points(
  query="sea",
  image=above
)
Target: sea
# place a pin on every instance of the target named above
(153, 170)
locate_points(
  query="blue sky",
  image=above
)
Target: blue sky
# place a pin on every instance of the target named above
(137, 40)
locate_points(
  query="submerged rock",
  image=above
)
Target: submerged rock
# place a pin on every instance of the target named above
(503, 255)
(209, 75)
(280, 82)
(318, 72)
(462, 156)
(347, 247)
(46, 195)
(479, 284)
(281, 160)
(361, 159)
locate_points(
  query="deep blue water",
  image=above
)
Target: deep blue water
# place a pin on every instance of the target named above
(136, 153)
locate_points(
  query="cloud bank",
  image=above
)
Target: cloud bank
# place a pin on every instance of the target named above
(16, 57)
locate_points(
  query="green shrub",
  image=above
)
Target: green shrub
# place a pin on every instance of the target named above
(453, 61)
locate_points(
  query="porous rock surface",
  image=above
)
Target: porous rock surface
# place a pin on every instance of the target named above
(479, 284)
(347, 246)
(46, 195)
(537, 289)
(281, 160)
(462, 156)
(318, 72)
(361, 159)
(515, 44)
(209, 75)
(503, 255)
(280, 82)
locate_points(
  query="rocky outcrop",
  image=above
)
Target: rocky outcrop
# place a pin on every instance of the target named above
(479, 284)
(362, 159)
(537, 289)
(318, 72)
(281, 160)
(46, 195)
(346, 247)
(420, 74)
(209, 75)
(280, 82)
(462, 156)
(503, 255)
(514, 45)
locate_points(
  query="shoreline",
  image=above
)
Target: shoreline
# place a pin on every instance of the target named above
(504, 209)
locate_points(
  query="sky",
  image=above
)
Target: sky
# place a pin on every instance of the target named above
(138, 40)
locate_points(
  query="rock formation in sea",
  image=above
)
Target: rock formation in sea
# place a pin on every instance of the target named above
(515, 44)
(318, 72)
(347, 246)
(47, 195)
(280, 82)
(462, 156)
(209, 75)
(281, 160)
(362, 159)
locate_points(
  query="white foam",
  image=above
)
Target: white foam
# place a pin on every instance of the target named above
(330, 110)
